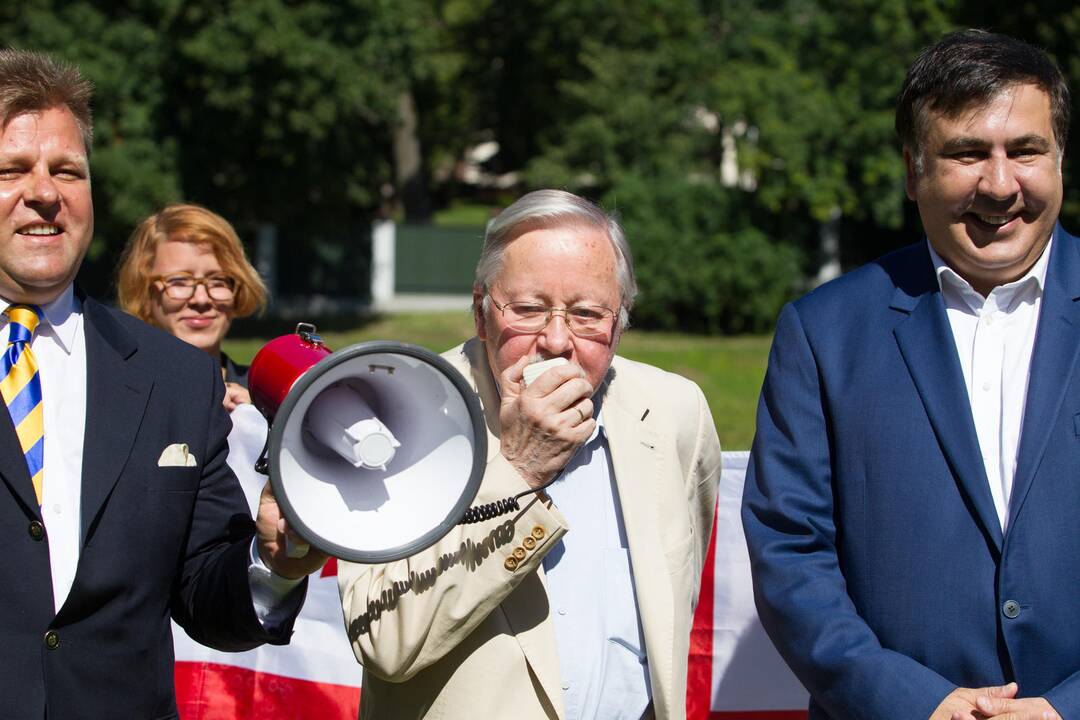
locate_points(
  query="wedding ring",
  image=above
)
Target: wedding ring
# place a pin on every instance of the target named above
(581, 415)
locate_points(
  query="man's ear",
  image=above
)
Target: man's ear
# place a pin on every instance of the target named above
(478, 313)
(911, 177)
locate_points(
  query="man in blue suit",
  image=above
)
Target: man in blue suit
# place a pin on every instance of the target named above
(117, 509)
(913, 494)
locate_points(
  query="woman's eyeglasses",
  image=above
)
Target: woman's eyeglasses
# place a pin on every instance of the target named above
(181, 286)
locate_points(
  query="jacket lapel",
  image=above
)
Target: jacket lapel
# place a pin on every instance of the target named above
(1052, 362)
(526, 608)
(927, 346)
(116, 396)
(637, 453)
(480, 375)
(13, 466)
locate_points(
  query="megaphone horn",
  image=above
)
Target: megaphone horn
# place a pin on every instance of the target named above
(375, 451)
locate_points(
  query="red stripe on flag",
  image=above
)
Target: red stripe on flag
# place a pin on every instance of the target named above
(211, 691)
(699, 664)
(759, 715)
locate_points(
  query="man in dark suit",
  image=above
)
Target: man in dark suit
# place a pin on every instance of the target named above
(117, 509)
(912, 496)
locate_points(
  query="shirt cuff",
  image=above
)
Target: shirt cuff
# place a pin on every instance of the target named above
(272, 595)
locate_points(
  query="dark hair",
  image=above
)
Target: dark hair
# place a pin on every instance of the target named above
(33, 82)
(969, 67)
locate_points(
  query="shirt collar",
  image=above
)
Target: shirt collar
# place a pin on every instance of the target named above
(61, 317)
(599, 429)
(950, 280)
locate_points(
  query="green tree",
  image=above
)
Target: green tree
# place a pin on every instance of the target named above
(266, 111)
(284, 110)
(795, 96)
(696, 269)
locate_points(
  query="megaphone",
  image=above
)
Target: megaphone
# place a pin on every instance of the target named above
(375, 451)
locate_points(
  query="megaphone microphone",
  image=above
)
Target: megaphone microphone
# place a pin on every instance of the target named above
(375, 451)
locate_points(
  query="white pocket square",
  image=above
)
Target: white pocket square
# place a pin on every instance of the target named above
(176, 455)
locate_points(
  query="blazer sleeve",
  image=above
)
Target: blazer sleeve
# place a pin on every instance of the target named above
(703, 481)
(1065, 697)
(799, 586)
(212, 600)
(403, 616)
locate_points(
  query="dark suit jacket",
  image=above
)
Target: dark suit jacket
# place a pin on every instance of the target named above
(234, 373)
(156, 542)
(880, 568)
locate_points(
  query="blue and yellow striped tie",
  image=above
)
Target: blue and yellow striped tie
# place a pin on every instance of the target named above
(21, 388)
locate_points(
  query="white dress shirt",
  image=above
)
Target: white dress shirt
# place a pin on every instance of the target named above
(590, 586)
(59, 347)
(994, 338)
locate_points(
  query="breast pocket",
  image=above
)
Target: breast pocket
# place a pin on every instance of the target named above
(173, 480)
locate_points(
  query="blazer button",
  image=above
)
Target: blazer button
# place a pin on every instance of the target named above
(511, 563)
(52, 640)
(1010, 609)
(519, 554)
(528, 543)
(538, 532)
(37, 530)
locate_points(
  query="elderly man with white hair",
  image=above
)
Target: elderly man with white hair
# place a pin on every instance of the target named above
(578, 604)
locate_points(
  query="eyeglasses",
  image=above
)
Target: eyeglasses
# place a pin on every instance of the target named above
(181, 286)
(583, 320)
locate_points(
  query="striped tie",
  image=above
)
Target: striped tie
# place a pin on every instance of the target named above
(21, 388)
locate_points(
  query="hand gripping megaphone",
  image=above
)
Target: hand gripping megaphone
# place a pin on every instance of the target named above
(375, 451)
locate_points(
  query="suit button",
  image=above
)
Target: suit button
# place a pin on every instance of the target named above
(511, 563)
(37, 530)
(519, 554)
(528, 543)
(52, 640)
(1010, 609)
(538, 532)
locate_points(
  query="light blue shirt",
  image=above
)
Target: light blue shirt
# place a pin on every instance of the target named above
(590, 585)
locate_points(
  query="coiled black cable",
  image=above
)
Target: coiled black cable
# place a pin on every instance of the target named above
(486, 512)
(501, 507)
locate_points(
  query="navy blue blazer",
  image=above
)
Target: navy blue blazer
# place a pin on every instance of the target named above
(157, 542)
(880, 569)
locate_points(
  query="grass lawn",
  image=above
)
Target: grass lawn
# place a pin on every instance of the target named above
(728, 369)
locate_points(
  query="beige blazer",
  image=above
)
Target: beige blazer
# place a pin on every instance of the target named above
(461, 630)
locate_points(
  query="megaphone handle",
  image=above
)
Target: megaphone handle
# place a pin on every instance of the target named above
(262, 465)
(296, 548)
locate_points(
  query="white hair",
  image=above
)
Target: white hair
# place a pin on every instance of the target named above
(550, 209)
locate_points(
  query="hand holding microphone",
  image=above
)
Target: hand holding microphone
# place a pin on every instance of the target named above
(545, 416)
